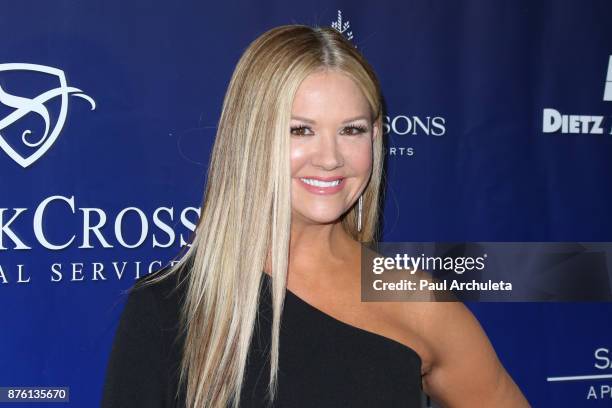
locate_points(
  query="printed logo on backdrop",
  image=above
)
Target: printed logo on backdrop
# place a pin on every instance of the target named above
(399, 125)
(96, 228)
(33, 112)
(597, 383)
(608, 88)
(34, 144)
(342, 27)
(554, 121)
(406, 127)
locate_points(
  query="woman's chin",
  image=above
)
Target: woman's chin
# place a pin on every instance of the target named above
(313, 219)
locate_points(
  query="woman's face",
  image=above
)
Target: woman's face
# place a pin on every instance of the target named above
(331, 141)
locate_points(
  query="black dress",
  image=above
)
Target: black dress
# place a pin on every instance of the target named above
(323, 361)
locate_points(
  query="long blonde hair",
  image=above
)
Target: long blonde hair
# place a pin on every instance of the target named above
(246, 213)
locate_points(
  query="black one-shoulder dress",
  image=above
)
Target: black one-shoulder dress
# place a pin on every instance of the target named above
(323, 361)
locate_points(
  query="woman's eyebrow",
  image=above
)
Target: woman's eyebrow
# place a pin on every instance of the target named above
(313, 122)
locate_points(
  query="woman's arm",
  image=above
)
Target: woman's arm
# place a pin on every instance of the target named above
(465, 370)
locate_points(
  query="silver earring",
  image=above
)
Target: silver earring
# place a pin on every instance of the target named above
(360, 206)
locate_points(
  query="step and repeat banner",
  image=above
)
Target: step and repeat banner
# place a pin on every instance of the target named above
(498, 128)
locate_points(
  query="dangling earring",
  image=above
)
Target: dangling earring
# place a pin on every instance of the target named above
(360, 207)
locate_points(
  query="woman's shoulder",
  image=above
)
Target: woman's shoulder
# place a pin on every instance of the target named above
(161, 292)
(145, 354)
(163, 283)
(453, 344)
(152, 308)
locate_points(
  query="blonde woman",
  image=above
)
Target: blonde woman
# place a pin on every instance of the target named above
(264, 307)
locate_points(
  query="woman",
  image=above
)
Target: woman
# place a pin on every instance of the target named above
(293, 188)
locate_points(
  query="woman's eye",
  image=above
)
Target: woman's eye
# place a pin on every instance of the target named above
(356, 130)
(299, 130)
(350, 130)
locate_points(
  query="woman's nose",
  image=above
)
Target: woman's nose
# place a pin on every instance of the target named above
(327, 154)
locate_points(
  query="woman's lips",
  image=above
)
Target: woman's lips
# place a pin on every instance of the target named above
(322, 190)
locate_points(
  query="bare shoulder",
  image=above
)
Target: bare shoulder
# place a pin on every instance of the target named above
(460, 366)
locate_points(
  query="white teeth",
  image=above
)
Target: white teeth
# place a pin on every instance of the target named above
(319, 183)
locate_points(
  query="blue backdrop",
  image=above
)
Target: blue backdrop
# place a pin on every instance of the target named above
(498, 129)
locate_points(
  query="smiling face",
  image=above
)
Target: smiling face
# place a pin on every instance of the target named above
(331, 147)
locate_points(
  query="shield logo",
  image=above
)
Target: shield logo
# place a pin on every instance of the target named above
(23, 106)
